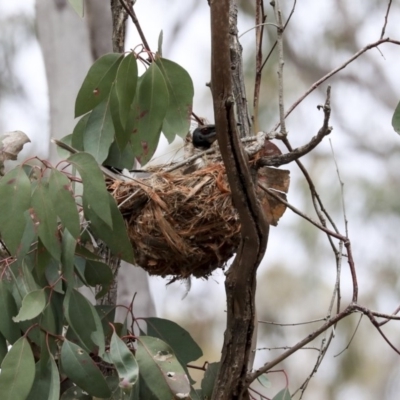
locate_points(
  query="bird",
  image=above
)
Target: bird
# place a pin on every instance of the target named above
(204, 136)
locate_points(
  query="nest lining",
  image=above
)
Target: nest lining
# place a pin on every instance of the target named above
(180, 224)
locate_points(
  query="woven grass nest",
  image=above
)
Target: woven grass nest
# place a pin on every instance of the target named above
(180, 223)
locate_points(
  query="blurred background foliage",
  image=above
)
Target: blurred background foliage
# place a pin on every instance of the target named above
(297, 277)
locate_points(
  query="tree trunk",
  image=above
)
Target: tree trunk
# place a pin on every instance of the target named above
(240, 282)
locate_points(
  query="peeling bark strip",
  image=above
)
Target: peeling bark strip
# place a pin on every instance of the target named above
(241, 278)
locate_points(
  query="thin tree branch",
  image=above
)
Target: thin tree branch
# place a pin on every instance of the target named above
(335, 71)
(281, 63)
(386, 19)
(274, 45)
(132, 14)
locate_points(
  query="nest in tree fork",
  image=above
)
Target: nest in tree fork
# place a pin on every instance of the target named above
(183, 223)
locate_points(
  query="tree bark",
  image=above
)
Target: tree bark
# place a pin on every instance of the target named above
(240, 282)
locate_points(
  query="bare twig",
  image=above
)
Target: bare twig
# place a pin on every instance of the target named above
(346, 222)
(281, 63)
(260, 19)
(393, 314)
(266, 367)
(132, 14)
(386, 19)
(352, 337)
(295, 154)
(301, 214)
(274, 45)
(335, 71)
(313, 321)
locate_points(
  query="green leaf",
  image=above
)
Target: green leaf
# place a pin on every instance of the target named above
(3, 348)
(45, 218)
(15, 199)
(82, 370)
(196, 394)
(8, 308)
(53, 273)
(17, 371)
(77, 5)
(84, 321)
(97, 83)
(98, 273)
(160, 43)
(94, 188)
(181, 91)
(61, 194)
(207, 384)
(183, 345)
(67, 257)
(116, 238)
(160, 369)
(64, 153)
(78, 132)
(120, 159)
(46, 385)
(32, 305)
(147, 114)
(107, 315)
(99, 131)
(284, 394)
(28, 238)
(396, 119)
(264, 381)
(124, 361)
(75, 393)
(125, 86)
(120, 136)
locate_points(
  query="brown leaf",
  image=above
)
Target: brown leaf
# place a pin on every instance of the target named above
(277, 180)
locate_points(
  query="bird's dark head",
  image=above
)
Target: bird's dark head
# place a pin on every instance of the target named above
(204, 136)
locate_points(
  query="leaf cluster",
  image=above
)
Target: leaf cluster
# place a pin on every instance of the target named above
(123, 114)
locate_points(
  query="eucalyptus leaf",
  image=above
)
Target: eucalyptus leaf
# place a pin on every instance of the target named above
(8, 309)
(97, 83)
(284, 394)
(117, 238)
(160, 369)
(45, 218)
(207, 384)
(124, 361)
(183, 345)
(94, 187)
(32, 305)
(120, 159)
(99, 131)
(78, 132)
(75, 393)
(15, 199)
(61, 193)
(98, 273)
(84, 321)
(181, 92)
(3, 348)
(125, 86)
(67, 257)
(82, 370)
(46, 385)
(29, 236)
(147, 114)
(17, 371)
(396, 119)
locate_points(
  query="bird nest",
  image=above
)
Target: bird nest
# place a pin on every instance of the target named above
(181, 224)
